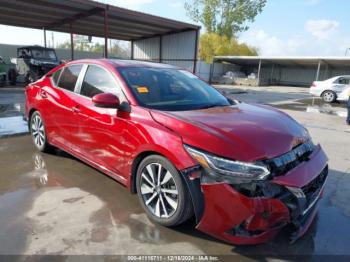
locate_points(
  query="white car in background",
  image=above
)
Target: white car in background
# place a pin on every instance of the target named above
(331, 90)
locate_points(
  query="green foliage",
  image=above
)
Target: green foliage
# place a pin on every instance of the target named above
(212, 44)
(64, 45)
(116, 49)
(224, 17)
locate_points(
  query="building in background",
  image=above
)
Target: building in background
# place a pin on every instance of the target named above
(263, 70)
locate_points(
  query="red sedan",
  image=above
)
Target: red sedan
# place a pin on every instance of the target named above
(244, 171)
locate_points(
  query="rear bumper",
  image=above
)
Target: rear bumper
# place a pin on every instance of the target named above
(232, 216)
(315, 92)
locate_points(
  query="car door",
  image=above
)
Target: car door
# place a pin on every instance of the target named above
(60, 105)
(344, 95)
(101, 134)
(340, 84)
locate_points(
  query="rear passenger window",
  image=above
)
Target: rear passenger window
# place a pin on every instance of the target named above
(56, 76)
(97, 81)
(342, 81)
(69, 77)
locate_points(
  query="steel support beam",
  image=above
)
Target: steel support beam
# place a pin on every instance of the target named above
(106, 32)
(132, 49)
(211, 72)
(74, 18)
(71, 42)
(45, 43)
(318, 70)
(259, 72)
(160, 49)
(272, 73)
(196, 52)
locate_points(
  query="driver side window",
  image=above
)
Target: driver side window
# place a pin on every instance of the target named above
(97, 81)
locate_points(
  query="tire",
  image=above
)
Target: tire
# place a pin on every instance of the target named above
(2, 81)
(329, 96)
(31, 77)
(169, 202)
(12, 76)
(37, 131)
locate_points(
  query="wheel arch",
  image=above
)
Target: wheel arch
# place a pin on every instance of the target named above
(135, 164)
(30, 113)
(329, 90)
(193, 186)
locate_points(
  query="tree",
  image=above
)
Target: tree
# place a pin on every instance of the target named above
(117, 48)
(121, 49)
(212, 44)
(224, 17)
(64, 45)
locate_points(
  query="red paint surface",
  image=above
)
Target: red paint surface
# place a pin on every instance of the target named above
(110, 140)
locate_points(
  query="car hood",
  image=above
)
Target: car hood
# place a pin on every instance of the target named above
(242, 132)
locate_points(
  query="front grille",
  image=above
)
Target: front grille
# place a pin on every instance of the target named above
(286, 162)
(312, 190)
(302, 200)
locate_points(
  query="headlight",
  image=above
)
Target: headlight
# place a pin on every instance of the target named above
(222, 169)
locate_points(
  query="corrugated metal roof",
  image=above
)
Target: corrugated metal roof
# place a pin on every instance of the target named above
(87, 18)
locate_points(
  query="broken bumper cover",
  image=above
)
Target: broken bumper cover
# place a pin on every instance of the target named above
(234, 216)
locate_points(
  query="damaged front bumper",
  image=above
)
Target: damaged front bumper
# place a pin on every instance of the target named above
(237, 215)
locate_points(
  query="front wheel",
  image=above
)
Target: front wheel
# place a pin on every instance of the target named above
(37, 130)
(329, 96)
(162, 192)
(31, 77)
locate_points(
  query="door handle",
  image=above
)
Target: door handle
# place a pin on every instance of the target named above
(43, 94)
(76, 109)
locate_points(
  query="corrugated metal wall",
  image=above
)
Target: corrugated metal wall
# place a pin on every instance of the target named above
(176, 49)
(147, 49)
(296, 76)
(218, 69)
(289, 75)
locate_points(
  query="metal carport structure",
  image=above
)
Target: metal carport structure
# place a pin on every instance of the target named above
(289, 70)
(153, 38)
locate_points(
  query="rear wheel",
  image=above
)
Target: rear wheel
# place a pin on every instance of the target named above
(329, 96)
(37, 130)
(12, 76)
(162, 192)
(2, 80)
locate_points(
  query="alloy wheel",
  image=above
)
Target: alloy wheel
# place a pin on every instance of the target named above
(159, 190)
(328, 97)
(38, 131)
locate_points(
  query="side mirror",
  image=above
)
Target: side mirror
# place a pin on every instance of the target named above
(106, 100)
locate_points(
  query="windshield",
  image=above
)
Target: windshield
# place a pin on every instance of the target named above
(44, 54)
(171, 89)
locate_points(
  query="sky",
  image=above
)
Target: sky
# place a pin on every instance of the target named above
(284, 28)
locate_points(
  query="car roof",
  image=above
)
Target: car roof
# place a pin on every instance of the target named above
(34, 47)
(346, 76)
(125, 63)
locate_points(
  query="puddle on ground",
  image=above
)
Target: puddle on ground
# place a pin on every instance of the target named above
(9, 110)
(315, 105)
(55, 204)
